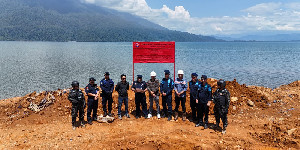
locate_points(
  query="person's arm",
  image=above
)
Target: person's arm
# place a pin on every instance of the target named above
(133, 87)
(102, 86)
(145, 87)
(161, 87)
(175, 87)
(112, 87)
(209, 96)
(227, 101)
(117, 87)
(127, 86)
(71, 97)
(184, 87)
(149, 90)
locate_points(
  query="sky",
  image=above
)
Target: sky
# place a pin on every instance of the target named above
(215, 17)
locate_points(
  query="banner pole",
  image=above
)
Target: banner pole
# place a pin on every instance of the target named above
(132, 72)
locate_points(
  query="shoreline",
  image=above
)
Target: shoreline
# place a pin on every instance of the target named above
(234, 80)
(259, 118)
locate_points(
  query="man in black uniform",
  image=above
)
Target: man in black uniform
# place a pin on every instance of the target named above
(166, 88)
(91, 91)
(140, 87)
(203, 101)
(194, 85)
(77, 99)
(221, 98)
(107, 87)
(122, 88)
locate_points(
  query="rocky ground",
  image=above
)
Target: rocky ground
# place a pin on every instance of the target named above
(260, 118)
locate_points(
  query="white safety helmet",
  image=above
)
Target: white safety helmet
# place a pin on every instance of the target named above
(180, 72)
(152, 74)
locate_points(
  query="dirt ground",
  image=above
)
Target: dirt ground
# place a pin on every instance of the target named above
(260, 118)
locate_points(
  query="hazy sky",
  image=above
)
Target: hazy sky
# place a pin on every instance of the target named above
(215, 17)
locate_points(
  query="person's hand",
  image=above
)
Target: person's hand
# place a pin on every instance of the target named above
(153, 95)
(208, 103)
(151, 92)
(197, 101)
(164, 94)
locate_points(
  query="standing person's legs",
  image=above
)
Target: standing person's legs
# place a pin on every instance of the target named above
(164, 104)
(104, 101)
(151, 98)
(169, 102)
(110, 100)
(81, 114)
(217, 116)
(126, 105)
(89, 109)
(206, 110)
(95, 107)
(144, 106)
(193, 108)
(177, 102)
(120, 101)
(157, 104)
(137, 105)
(183, 100)
(200, 112)
(74, 114)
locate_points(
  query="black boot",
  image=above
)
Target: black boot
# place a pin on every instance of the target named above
(216, 126)
(199, 124)
(169, 117)
(176, 116)
(205, 126)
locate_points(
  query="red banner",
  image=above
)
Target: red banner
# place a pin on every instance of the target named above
(153, 52)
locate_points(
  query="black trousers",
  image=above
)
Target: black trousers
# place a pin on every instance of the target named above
(193, 108)
(167, 101)
(92, 106)
(179, 100)
(140, 99)
(221, 113)
(202, 109)
(75, 109)
(105, 99)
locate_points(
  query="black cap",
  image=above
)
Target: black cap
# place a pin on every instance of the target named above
(92, 79)
(75, 83)
(204, 77)
(106, 73)
(167, 72)
(194, 74)
(139, 76)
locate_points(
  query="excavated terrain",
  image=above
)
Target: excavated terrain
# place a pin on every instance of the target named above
(259, 118)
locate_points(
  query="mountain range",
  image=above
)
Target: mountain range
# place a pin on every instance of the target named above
(74, 20)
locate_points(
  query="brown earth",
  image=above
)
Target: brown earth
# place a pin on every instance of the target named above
(260, 118)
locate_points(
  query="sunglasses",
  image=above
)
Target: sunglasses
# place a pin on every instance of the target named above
(123, 78)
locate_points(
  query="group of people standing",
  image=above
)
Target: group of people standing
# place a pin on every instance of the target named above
(200, 98)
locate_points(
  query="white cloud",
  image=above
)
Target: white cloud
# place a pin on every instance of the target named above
(264, 16)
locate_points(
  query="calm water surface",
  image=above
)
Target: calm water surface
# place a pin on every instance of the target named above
(37, 66)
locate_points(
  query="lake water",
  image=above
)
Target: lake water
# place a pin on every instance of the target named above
(37, 66)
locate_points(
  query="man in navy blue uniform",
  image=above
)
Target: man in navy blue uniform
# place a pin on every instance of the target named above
(77, 99)
(166, 88)
(194, 85)
(221, 98)
(203, 101)
(91, 91)
(140, 87)
(107, 87)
